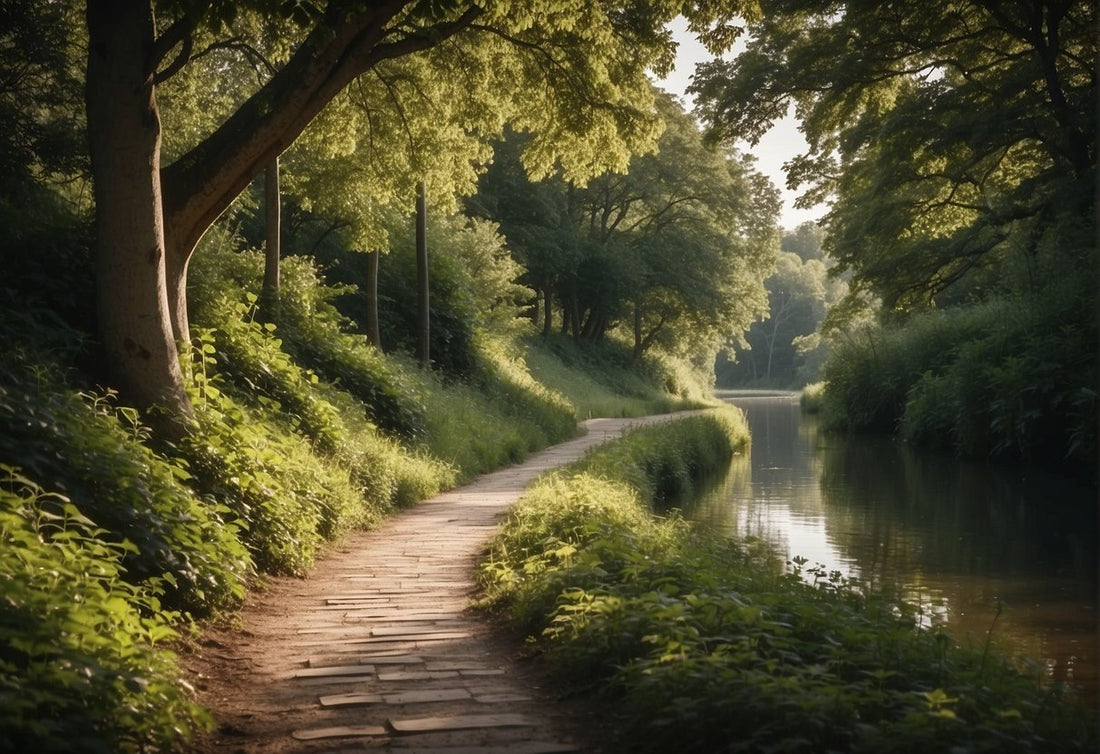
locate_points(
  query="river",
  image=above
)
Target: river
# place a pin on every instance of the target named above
(961, 540)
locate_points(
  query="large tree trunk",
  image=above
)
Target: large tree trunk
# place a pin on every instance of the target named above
(124, 143)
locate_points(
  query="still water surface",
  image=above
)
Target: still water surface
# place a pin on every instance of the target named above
(955, 538)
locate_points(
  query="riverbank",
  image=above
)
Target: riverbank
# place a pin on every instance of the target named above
(672, 630)
(377, 647)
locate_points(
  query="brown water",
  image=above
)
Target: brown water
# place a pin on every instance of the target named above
(958, 539)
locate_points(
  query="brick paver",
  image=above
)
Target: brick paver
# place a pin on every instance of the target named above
(395, 662)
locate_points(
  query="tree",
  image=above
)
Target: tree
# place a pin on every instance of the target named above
(950, 136)
(41, 95)
(699, 234)
(956, 144)
(578, 79)
(807, 241)
(672, 252)
(796, 307)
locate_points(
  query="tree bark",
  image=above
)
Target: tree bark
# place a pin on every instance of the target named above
(423, 321)
(272, 242)
(547, 313)
(374, 334)
(124, 143)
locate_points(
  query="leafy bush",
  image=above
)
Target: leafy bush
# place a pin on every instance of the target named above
(223, 280)
(80, 669)
(696, 644)
(597, 508)
(96, 455)
(812, 398)
(1011, 379)
(256, 459)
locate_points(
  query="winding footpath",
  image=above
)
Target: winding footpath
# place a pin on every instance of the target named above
(377, 649)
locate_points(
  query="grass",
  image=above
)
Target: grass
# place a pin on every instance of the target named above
(600, 382)
(691, 643)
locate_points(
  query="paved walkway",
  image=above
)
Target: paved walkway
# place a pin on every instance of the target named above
(377, 650)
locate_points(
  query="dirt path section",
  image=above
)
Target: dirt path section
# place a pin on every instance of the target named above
(376, 650)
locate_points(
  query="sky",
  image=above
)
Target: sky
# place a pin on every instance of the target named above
(777, 146)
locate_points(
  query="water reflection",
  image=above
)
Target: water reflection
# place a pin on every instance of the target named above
(957, 539)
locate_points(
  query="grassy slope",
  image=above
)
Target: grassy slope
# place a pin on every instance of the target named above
(286, 457)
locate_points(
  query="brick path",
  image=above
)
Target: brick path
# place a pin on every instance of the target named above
(389, 659)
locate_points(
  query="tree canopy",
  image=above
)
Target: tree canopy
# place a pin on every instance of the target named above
(938, 131)
(956, 145)
(425, 83)
(671, 252)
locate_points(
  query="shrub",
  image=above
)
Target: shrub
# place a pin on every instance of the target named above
(697, 644)
(80, 665)
(95, 454)
(1007, 379)
(224, 288)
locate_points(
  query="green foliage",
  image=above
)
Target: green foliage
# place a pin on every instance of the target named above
(605, 380)
(1012, 379)
(812, 398)
(783, 349)
(960, 170)
(311, 330)
(664, 464)
(41, 102)
(473, 289)
(669, 254)
(96, 454)
(676, 631)
(496, 418)
(295, 459)
(564, 519)
(80, 669)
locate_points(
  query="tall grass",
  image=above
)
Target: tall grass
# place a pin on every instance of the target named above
(607, 382)
(1007, 379)
(689, 643)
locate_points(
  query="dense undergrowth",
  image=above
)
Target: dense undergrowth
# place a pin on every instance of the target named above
(116, 544)
(1011, 379)
(693, 644)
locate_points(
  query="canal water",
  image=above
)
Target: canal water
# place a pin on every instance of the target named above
(960, 540)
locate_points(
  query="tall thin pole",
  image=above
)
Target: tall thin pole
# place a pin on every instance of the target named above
(374, 334)
(422, 318)
(273, 222)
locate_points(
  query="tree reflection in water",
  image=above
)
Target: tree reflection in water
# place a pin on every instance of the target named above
(955, 539)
